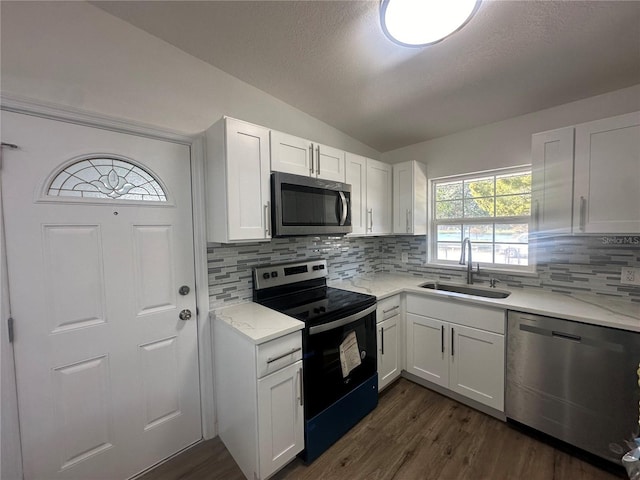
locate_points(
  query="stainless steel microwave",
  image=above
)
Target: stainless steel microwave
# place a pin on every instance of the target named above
(309, 206)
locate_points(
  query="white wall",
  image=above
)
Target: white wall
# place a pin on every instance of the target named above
(508, 143)
(74, 54)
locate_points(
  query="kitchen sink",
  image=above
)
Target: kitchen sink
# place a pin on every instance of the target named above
(466, 289)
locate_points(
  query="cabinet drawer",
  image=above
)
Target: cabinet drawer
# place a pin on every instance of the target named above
(278, 353)
(388, 308)
(475, 316)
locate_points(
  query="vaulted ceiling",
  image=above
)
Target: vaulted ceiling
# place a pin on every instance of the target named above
(332, 60)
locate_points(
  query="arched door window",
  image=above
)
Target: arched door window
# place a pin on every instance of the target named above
(106, 178)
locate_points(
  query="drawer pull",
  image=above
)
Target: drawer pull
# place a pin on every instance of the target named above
(391, 309)
(273, 359)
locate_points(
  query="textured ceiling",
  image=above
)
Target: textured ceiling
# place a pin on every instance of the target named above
(331, 59)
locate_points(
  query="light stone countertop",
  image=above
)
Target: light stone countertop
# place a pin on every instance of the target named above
(257, 323)
(592, 309)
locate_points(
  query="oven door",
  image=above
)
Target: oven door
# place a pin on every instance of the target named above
(331, 369)
(309, 206)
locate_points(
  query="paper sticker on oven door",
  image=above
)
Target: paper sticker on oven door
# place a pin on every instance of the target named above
(349, 354)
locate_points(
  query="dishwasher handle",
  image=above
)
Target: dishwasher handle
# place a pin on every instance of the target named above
(567, 336)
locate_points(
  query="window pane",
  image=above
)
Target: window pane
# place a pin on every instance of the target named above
(479, 187)
(449, 233)
(512, 233)
(450, 209)
(478, 233)
(513, 184)
(513, 205)
(478, 207)
(512, 254)
(448, 251)
(448, 191)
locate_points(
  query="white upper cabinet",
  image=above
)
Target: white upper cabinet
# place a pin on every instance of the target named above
(409, 198)
(299, 156)
(607, 176)
(552, 175)
(586, 179)
(371, 186)
(238, 188)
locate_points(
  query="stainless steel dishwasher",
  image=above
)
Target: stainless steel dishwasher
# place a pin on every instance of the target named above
(574, 381)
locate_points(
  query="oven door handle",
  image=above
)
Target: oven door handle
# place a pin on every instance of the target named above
(343, 321)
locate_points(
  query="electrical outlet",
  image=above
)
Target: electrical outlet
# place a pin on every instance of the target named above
(630, 276)
(405, 257)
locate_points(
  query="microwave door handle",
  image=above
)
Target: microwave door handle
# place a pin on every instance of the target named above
(345, 210)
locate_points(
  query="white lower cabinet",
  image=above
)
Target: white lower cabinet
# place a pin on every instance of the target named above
(389, 325)
(444, 349)
(259, 399)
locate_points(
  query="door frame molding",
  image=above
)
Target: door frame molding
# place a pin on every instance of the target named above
(29, 106)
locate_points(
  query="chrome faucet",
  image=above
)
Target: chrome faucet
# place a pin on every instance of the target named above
(469, 263)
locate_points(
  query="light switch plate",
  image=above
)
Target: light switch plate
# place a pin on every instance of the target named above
(630, 276)
(405, 257)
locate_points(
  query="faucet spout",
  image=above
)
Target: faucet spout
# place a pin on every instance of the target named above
(469, 262)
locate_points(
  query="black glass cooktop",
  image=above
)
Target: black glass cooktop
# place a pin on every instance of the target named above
(320, 304)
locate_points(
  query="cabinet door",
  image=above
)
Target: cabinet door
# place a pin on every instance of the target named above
(477, 365)
(388, 351)
(248, 188)
(402, 198)
(329, 163)
(552, 181)
(427, 349)
(291, 154)
(280, 418)
(356, 176)
(607, 176)
(379, 184)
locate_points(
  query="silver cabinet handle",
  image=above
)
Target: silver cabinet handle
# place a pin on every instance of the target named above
(370, 212)
(391, 309)
(583, 214)
(311, 159)
(382, 340)
(301, 386)
(267, 215)
(273, 359)
(344, 208)
(318, 160)
(408, 220)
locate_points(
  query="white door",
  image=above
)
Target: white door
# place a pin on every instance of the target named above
(356, 176)
(388, 348)
(607, 176)
(329, 163)
(427, 350)
(291, 154)
(477, 365)
(280, 418)
(379, 196)
(107, 372)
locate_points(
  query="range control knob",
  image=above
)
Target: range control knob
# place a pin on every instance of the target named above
(266, 275)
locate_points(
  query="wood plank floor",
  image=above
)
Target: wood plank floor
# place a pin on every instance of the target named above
(414, 433)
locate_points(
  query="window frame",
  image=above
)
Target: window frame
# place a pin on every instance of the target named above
(432, 236)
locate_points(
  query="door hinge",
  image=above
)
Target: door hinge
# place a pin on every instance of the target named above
(10, 328)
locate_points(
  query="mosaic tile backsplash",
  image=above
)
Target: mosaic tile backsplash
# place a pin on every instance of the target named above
(581, 264)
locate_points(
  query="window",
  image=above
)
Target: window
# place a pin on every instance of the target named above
(492, 209)
(106, 178)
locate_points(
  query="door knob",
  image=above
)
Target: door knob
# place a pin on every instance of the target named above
(184, 290)
(185, 314)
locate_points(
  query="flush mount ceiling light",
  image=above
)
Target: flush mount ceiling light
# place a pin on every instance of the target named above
(416, 23)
